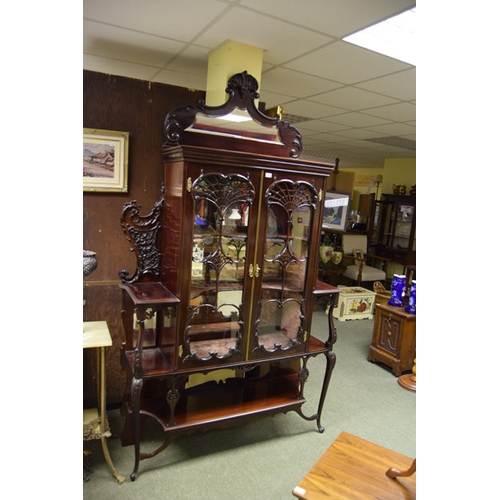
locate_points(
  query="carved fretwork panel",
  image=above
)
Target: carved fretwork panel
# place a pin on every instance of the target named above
(213, 333)
(142, 232)
(280, 324)
(223, 191)
(285, 199)
(214, 326)
(217, 196)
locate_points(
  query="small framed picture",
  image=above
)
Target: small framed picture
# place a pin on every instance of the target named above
(105, 160)
(335, 214)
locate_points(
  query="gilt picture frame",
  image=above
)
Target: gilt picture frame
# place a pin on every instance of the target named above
(105, 160)
(336, 210)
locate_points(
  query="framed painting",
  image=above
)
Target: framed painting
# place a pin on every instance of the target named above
(336, 211)
(105, 160)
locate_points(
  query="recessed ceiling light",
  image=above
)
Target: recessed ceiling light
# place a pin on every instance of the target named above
(394, 37)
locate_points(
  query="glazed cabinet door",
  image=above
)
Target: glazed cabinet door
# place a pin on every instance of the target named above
(221, 203)
(288, 210)
(395, 232)
(250, 250)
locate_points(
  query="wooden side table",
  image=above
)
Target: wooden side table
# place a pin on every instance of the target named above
(95, 421)
(394, 338)
(355, 469)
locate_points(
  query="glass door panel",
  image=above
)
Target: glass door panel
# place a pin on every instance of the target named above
(215, 325)
(404, 220)
(290, 207)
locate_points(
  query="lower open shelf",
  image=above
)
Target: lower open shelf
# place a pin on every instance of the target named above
(215, 403)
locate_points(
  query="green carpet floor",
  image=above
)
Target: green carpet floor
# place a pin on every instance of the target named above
(265, 459)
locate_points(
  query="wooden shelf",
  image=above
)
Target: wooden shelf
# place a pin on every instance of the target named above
(222, 402)
(149, 293)
(154, 361)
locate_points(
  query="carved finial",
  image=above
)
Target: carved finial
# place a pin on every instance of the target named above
(243, 82)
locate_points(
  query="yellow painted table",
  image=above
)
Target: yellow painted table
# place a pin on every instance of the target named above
(95, 421)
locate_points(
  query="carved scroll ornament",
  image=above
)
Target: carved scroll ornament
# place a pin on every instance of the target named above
(142, 232)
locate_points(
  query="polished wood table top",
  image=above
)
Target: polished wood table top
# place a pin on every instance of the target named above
(355, 469)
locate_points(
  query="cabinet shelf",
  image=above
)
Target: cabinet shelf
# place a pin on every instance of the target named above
(220, 402)
(154, 361)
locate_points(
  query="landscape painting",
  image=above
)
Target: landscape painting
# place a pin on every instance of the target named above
(105, 160)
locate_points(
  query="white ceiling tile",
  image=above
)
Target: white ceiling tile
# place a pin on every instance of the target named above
(393, 129)
(192, 61)
(398, 112)
(327, 138)
(165, 18)
(352, 98)
(280, 41)
(295, 84)
(321, 126)
(346, 63)
(358, 133)
(271, 99)
(139, 48)
(331, 16)
(357, 120)
(310, 109)
(400, 85)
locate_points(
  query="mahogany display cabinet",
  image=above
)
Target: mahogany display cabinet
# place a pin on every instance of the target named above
(393, 232)
(218, 312)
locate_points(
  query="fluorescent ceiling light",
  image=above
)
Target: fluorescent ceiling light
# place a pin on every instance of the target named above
(394, 37)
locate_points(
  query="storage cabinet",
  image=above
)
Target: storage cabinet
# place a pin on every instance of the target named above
(218, 312)
(394, 228)
(394, 338)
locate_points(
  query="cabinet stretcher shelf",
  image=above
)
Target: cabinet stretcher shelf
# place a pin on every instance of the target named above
(223, 402)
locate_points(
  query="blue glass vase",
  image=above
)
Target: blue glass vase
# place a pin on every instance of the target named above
(397, 290)
(412, 300)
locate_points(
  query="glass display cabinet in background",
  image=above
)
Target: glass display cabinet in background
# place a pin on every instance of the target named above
(394, 228)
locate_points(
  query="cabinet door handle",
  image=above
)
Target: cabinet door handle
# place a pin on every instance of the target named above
(254, 272)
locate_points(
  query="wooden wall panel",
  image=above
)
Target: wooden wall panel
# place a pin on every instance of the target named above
(138, 107)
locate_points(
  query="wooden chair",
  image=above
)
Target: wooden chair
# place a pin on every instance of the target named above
(356, 251)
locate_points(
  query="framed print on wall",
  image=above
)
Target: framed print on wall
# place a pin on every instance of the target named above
(335, 214)
(105, 160)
